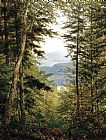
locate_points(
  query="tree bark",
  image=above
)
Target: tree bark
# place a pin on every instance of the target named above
(77, 54)
(6, 32)
(21, 92)
(91, 55)
(12, 93)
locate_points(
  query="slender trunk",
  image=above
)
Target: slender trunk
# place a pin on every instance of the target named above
(77, 53)
(97, 100)
(16, 49)
(6, 33)
(92, 105)
(12, 93)
(21, 89)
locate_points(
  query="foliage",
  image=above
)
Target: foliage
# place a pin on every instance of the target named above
(85, 19)
(27, 96)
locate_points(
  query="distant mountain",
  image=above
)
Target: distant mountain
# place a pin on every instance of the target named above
(55, 58)
(58, 72)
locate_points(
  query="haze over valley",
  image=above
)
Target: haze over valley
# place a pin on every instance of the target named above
(56, 64)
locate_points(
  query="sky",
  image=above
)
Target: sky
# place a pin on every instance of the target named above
(56, 43)
(53, 45)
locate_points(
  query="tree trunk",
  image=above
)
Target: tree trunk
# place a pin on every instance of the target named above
(92, 104)
(77, 54)
(21, 92)
(6, 32)
(12, 93)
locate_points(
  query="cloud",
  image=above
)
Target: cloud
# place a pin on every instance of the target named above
(54, 44)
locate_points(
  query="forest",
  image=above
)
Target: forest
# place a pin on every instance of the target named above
(31, 107)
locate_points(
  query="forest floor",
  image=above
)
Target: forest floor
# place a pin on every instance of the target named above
(31, 132)
(25, 132)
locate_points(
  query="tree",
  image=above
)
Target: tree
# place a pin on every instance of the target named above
(88, 63)
(25, 35)
(73, 38)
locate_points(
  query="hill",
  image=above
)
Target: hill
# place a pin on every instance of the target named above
(53, 58)
(58, 72)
